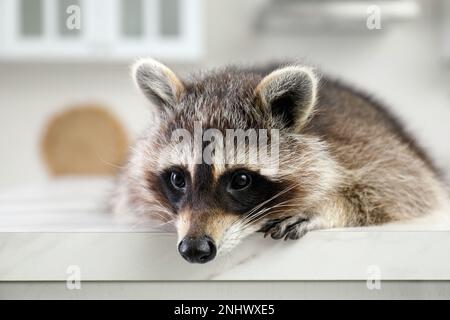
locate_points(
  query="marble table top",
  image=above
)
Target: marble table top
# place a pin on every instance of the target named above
(47, 230)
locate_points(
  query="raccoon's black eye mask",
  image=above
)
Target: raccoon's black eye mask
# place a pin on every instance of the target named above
(175, 183)
(236, 191)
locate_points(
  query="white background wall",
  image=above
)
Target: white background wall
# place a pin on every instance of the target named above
(402, 65)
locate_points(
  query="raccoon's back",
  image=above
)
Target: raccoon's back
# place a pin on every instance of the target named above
(358, 128)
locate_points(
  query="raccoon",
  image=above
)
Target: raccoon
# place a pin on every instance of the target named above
(343, 159)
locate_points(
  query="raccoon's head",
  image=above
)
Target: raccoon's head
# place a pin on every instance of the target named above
(186, 172)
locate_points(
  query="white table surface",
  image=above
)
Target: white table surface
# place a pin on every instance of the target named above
(46, 228)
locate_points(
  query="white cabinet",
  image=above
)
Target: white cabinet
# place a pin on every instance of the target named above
(446, 28)
(99, 29)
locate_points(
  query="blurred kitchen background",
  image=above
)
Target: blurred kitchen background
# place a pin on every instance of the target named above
(57, 54)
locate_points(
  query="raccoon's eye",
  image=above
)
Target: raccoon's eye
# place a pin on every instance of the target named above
(240, 181)
(177, 179)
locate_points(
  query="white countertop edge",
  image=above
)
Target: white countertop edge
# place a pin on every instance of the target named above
(339, 254)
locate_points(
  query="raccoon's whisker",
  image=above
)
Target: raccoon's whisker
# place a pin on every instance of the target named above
(261, 217)
(263, 211)
(250, 217)
(109, 163)
(281, 207)
(161, 209)
(143, 222)
(152, 225)
(161, 212)
(160, 205)
(249, 221)
(155, 209)
(253, 215)
(161, 216)
(162, 224)
(253, 210)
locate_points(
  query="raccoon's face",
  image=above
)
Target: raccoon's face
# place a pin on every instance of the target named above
(213, 192)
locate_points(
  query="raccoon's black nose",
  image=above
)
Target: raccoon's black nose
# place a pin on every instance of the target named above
(197, 249)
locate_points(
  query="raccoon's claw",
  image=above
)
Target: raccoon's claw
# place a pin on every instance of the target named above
(270, 225)
(296, 231)
(288, 228)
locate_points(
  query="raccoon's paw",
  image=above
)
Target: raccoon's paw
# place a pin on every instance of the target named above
(288, 228)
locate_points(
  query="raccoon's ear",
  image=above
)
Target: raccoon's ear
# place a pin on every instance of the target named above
(290, 93)
(157, 82)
